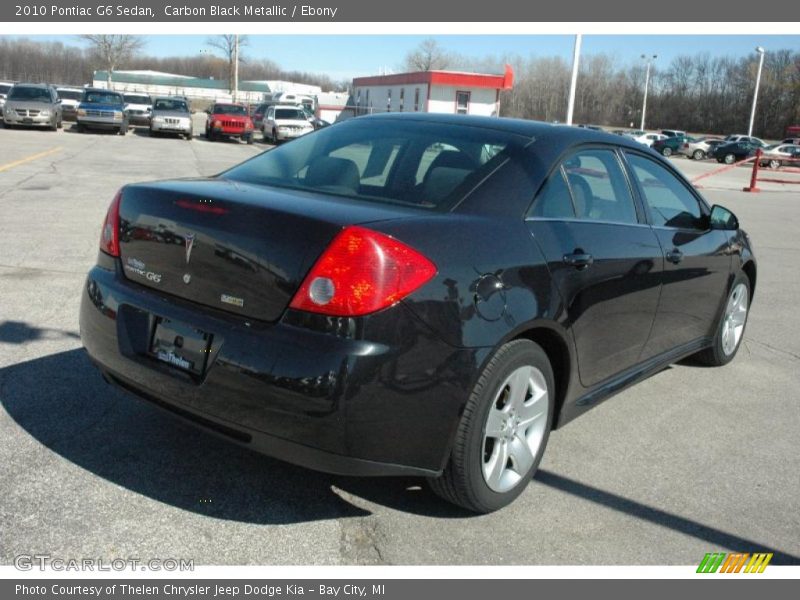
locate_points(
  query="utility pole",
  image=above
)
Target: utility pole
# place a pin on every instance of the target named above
(576, 55)
(761, 53)
(646, 86)
(236, 68)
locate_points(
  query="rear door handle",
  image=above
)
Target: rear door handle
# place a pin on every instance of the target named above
(674, 256)
(579, 260)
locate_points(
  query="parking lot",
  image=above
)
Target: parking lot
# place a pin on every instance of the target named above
(691, 461)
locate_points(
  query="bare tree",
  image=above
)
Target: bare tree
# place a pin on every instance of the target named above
(227, 46)
(428, 56)
(112, 50)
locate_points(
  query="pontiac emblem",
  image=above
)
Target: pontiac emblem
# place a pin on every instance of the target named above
(189, 245)
(187, 278)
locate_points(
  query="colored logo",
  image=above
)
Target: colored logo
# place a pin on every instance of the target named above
(737, 562)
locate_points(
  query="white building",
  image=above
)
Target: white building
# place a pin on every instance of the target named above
(451, 92)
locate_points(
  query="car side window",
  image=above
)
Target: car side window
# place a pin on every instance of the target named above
(553, 200)
(671, 204)
(599, 188)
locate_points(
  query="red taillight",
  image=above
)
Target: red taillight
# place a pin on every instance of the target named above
(109, 237)
(362, 271)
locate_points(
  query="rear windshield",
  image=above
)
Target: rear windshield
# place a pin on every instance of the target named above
(424, 164)
(100, 97)
(34, 94)
(290, 113)
(137, 99)
(178, 105)
(229, 109)
(69, 94)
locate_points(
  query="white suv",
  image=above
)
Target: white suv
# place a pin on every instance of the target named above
(285, 122)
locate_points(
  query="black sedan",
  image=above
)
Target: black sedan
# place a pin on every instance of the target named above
(414, 294)
(734, 151)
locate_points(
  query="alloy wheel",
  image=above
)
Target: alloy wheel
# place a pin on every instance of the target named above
(734, 319)
(514, 428)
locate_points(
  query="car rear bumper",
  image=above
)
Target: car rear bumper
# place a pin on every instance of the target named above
(317, 399)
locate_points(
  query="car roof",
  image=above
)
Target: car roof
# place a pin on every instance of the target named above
(563, 135)
(33, 85)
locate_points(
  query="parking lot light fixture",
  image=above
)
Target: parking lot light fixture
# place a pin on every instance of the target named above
(646, 85)
(761, 53)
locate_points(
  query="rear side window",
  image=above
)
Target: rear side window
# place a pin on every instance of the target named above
(599, 188)
(670, 203)
(553, 201)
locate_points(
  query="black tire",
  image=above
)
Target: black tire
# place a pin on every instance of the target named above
(274, 137)
(462, 481)
(123, 130)
(81, 128)
(729, 159)
(774, 164)
(53, 126)
(249, 139)
(666, 151)
(715, 356)
(698, 155)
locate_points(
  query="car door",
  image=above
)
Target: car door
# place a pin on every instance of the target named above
(604, 259)
(697, 261)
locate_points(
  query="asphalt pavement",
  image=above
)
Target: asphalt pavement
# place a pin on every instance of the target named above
(691, 461)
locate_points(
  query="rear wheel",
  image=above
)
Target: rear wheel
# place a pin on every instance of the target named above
(503, 430)
(731, 326)
(698, 155)
(774, 164)
(666, 151)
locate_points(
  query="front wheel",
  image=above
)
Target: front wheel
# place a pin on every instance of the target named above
(731, 326)
(698, 155)
(774, 164)
(503, 430)
(729, 159)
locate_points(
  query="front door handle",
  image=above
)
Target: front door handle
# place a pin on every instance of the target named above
(578, 259)
(674, 256)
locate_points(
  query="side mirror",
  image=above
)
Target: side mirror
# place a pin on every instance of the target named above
(722, 218)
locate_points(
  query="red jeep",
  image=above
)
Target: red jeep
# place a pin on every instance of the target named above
(229, 120)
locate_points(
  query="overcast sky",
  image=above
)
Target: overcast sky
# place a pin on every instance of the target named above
(346, 56)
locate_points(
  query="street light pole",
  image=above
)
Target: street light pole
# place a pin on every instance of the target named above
(646, 86)
(576, 55)
(236, 68)
(761, 53)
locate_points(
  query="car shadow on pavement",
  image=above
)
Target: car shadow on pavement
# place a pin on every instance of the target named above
(19, 332)
(716, 538)
(63, 402)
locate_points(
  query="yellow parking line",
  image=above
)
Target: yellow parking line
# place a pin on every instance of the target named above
(22, 161)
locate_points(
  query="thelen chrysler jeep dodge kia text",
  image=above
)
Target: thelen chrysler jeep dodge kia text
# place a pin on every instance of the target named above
(414, 294)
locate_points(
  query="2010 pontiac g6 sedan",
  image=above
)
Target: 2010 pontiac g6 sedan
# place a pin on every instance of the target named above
(414, 294)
